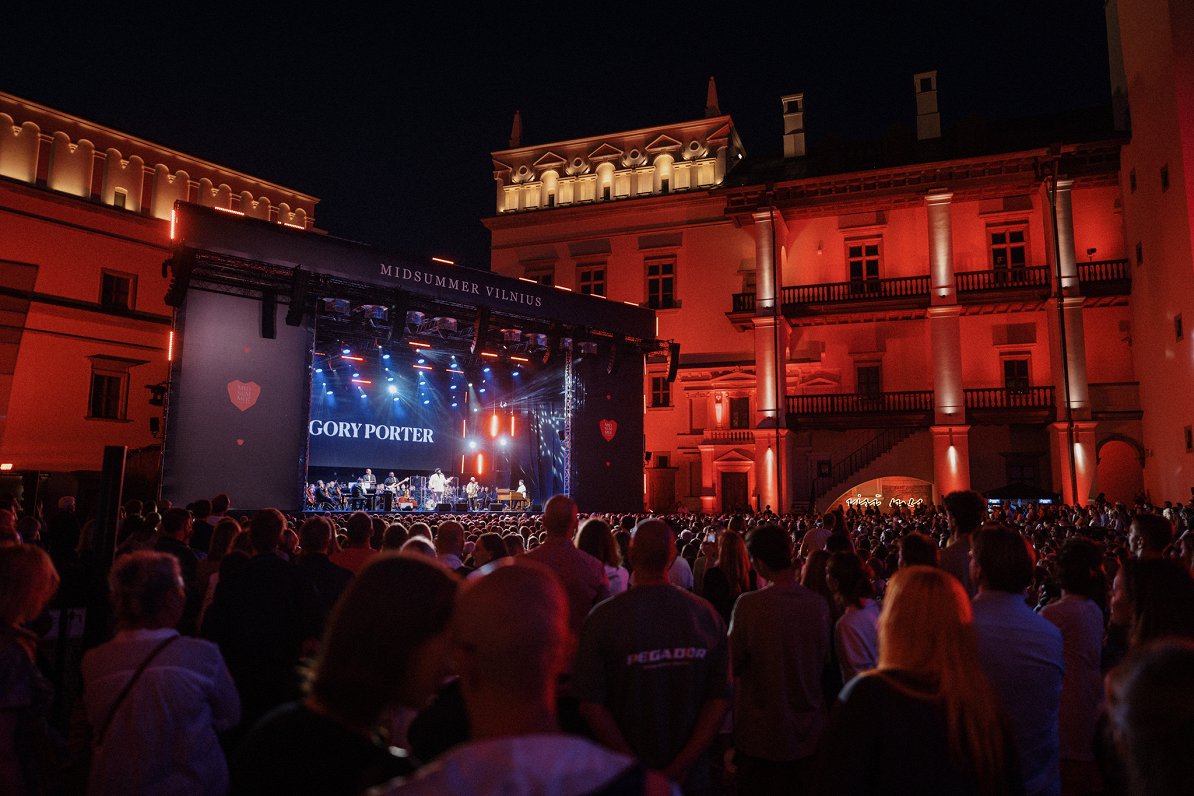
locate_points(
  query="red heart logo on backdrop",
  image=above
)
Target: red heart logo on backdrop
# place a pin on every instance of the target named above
(243, 394)
(240, 442)
(608, 429)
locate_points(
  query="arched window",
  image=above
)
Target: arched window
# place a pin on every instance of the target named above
(550, 181)
(605, 182)
(663, 174)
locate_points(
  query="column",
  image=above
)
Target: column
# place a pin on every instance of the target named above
(951, 437)
(1070, 310)
(708, 480)
(1073, 460)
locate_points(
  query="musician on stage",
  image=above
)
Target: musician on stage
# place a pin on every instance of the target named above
(369, 481)
(437, 483)
(388, 489)
(471, 490)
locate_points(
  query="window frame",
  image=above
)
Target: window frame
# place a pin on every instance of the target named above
(588, 270)
(660, 392)
(1017, 385)
(1008, 269)
(866, 282)
(661, 299)
(131, 303)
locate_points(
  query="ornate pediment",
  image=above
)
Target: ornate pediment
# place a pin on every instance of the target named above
(735, 455)
(605, 152)
(549, 160)
(820, 378)
(664, 143)
(720, 135)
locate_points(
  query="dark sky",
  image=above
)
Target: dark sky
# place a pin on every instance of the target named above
(389, 116)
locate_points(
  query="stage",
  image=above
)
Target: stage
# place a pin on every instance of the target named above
(360, 366)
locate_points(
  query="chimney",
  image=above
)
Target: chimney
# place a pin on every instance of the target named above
(793, 105)
(712, 108)
(516, 131)
(928, 120)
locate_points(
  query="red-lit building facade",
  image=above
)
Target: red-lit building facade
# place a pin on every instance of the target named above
(84, 331)
(968, 309)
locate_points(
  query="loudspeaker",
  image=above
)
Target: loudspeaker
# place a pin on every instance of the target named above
(460, 508)
(673, 360)
(536, 507)
(443, 507)
(298, 297)
(269, 315)
(496, 506)
(480, 328)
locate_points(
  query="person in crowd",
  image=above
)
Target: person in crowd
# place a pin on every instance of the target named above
(1021, 652)
(779, 646)
(155, 700)
(917, 549)
(652, 668)
(596, 538)
(419, 545)
(329, 579)
(1149, 536)
(28, 581)
(385, 647)
(510, 641)
(731, 576)
(173, 537)
(965, 512)
(1151, 598)
(265, 618)
(395, 536)
(680, 572)
(449, 546)
(208, 571)
(583, 575)
(201, 526)
(358, 551)
(856, 632)
(816, 537)
(705, 558)
(1151, 711)
(1079, 616)
(489, 547)
(515, 544)
(927, 720)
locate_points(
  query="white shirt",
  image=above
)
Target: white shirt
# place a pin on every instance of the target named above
(680, 573)
(436, 482)
(856, 637)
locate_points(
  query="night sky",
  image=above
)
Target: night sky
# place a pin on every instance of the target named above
(389, 117)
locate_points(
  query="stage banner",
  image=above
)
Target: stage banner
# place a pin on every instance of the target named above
(367, 430)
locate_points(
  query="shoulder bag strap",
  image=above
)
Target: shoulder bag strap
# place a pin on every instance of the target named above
(99, 739)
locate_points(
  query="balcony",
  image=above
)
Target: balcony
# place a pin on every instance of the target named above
(728, 436)
(899, 292)
(862, 410)
(1105, 278)
(1001, 406)
(1002, 284)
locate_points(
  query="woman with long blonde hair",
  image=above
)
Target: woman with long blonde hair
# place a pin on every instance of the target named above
(730, 576)
(926, 720)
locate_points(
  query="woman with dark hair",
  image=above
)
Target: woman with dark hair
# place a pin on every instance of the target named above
(27, 582)
(927, 720)
(155, 700)
(1079, 617)
(730, 576)
(856, 633)
(596, 539)
(385, 647)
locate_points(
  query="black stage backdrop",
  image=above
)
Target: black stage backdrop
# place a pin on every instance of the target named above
(238, 405)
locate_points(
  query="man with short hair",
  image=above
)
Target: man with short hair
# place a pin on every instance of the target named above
(200, 537)
(511, 638)
(358, 551)
(330, 580)
(1020, 651)
(264, 617)
(652, 668)
(1149, 536)
(583, 576)
(449, 546)
(173, 534)
(779, 645)
(965, 512)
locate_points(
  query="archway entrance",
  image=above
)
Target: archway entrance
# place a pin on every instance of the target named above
(1119, 474)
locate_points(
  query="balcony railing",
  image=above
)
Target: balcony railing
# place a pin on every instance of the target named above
(729, 435)
(900, 287)
(1104, 278)
(1003, 399)
(884, 403)
(1035, 277)
(744, 302)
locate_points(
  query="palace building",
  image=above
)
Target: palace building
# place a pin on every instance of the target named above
(84, 328)
(965, 306)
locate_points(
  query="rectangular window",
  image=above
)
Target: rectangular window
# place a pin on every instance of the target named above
(1165, 178)
(661, 392)
(109, 393)
(1178, 329)
(590, 279)
(606, 192)
(862, 256)
(661, 283)
(1189, 433)
(1021, 472)
(541, 273)
(665, 185)
(1009, 252)
(116, 290)
(663, 460)
(1015, 375)
(869, 380)
(120, 198)
(740, 412)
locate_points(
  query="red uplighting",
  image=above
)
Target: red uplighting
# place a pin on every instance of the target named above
(480, 463)
(493, 425)
(489, 354)
(519, 359)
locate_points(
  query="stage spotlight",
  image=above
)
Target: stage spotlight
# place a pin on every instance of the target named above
(356, 375)
(345, 351)
(587, 348)
(514, 373)
(485, 370)
(453, 403)
(415, 319)
(319, 370)
(511, 336)
(503, 441)
(385, 356)
(393, 390)
(482, 390)
(426, 401)
(390, 378)
(329, 392)
(472, 444)
(331, 306)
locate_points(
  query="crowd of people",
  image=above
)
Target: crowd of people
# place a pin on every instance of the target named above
(956, 648)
